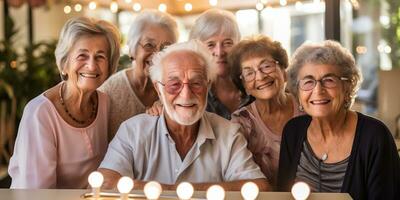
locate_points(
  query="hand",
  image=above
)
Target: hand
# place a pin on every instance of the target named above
(155, 109)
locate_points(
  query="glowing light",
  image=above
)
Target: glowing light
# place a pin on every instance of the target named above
(264, 1)
(67, 9)
(249, 191)
(13, 64)
(300, 191)
(92, 5)
(188, 7)
(78, 7)
(125, 185)
(259, 6)
(152, 190)
(215, 192)
(283, 2)
(298, 5)
(162, 7)
(213, 2)
(387, 49)
(185, 191)
(128, 1)
(361, 49)
(95, 179)
(136, 7)
(114, 7)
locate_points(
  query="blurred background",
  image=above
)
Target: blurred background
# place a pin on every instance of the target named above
(369, 28)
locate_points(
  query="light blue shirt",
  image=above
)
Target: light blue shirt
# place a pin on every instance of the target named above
(144, 150)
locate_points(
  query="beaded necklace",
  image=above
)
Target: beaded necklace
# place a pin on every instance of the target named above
(92, 115)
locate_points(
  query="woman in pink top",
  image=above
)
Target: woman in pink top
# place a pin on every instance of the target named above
(62, 135)
(258, 69)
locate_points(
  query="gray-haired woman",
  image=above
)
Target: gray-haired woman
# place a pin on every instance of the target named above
(62, 136)
(131, 90)
(333, 148)
(218, 30)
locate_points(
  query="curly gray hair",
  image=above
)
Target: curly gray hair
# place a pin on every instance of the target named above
(330, 53)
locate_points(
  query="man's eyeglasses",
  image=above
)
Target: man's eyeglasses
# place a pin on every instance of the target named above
(152, 47)
(175, 86)
(266, 67)
(330, 81)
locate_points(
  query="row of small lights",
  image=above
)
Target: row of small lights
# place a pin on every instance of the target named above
(136, 6)
(152, 190)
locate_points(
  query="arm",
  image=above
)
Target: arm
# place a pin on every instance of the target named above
(33, 164)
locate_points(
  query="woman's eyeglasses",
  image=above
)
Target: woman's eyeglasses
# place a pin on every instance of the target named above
(152, 47)
(175, 86)
(330, 81)
(266, 67)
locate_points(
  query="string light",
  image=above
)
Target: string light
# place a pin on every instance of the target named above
(78, 7)
(300, 191)
(114, 7)
(128, 1)
(188, 7)
(67, 9)
(152, 190)
(136, 7)
(162, 7)
(259, 6)
(92, 5)
(213, 2)
(249, 191)
(185, 191)
(215, 192)
(283, 2)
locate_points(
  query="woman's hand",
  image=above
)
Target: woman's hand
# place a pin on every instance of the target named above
(155, 109)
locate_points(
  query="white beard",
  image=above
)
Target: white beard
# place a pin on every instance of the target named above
(187, 120)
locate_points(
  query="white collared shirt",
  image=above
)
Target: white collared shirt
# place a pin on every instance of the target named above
(144, 150)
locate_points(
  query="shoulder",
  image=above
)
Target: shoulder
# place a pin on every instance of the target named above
(141, 124)
(242, 112)
(222, 128)
(38, 106)
(295, 123)
(373, 130)
(116, 82)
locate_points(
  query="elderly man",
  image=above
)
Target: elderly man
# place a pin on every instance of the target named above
(185, 143)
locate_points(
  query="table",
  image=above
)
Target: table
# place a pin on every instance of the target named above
(62, 194)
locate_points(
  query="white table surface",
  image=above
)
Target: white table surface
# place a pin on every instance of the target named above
(60, 194)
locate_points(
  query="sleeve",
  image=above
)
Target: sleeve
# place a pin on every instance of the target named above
(33, 164)
(119, 156)
(384, 167)
(241, 164)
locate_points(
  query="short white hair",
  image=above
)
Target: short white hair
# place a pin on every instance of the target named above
(146, 18)
(194, 46)
(213, 22)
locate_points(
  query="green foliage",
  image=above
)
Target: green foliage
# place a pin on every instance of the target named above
(392, 33)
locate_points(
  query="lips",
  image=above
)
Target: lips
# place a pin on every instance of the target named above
(320, 102)
(265, 85)
(89, 75)
(186, 105)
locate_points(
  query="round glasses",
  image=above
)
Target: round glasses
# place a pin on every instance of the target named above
(152, 47)
(266, 67)
(330, 81)
(175, 86)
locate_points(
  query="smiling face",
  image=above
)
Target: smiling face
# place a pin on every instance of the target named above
(220, 45)
(88, 63)
(264, 86)
(321, 101)
(186, 106)
(152, 35)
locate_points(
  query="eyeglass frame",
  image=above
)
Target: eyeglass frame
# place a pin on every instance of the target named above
(275, 62)
(154, 46)
(204, 85)
(339, 78)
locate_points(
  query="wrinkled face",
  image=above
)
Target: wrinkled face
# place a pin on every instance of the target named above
(154, 39)
(268, 78)
(88, 63)
(183, 88)
(321, 101)
(219, 46)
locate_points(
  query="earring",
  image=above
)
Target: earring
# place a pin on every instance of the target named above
(64, 76)
(301, 108)
(347, 104)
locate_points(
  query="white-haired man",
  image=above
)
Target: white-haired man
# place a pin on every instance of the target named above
(184, 143)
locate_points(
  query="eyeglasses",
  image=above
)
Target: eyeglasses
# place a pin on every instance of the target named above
(266, 67)
(330, 81)
(175, 86)
(152, 47)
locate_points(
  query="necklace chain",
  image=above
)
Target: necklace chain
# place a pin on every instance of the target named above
(92, 115)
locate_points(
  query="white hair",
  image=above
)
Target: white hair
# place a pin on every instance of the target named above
(146, 18)
(213, 22)
(195, 46)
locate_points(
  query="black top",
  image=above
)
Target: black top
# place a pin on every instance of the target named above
(320, 176)
(373, 171)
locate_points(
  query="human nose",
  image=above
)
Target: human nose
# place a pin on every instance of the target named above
(185, 90)
(319, 87)
(218, 50)
(92, 62)
(259, 74)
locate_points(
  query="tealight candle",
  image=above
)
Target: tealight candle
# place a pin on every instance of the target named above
(300, 191)
(125, 185)
(184, 191)
(152, 190)
(215, 192)
(249, 191)
(95, 180)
